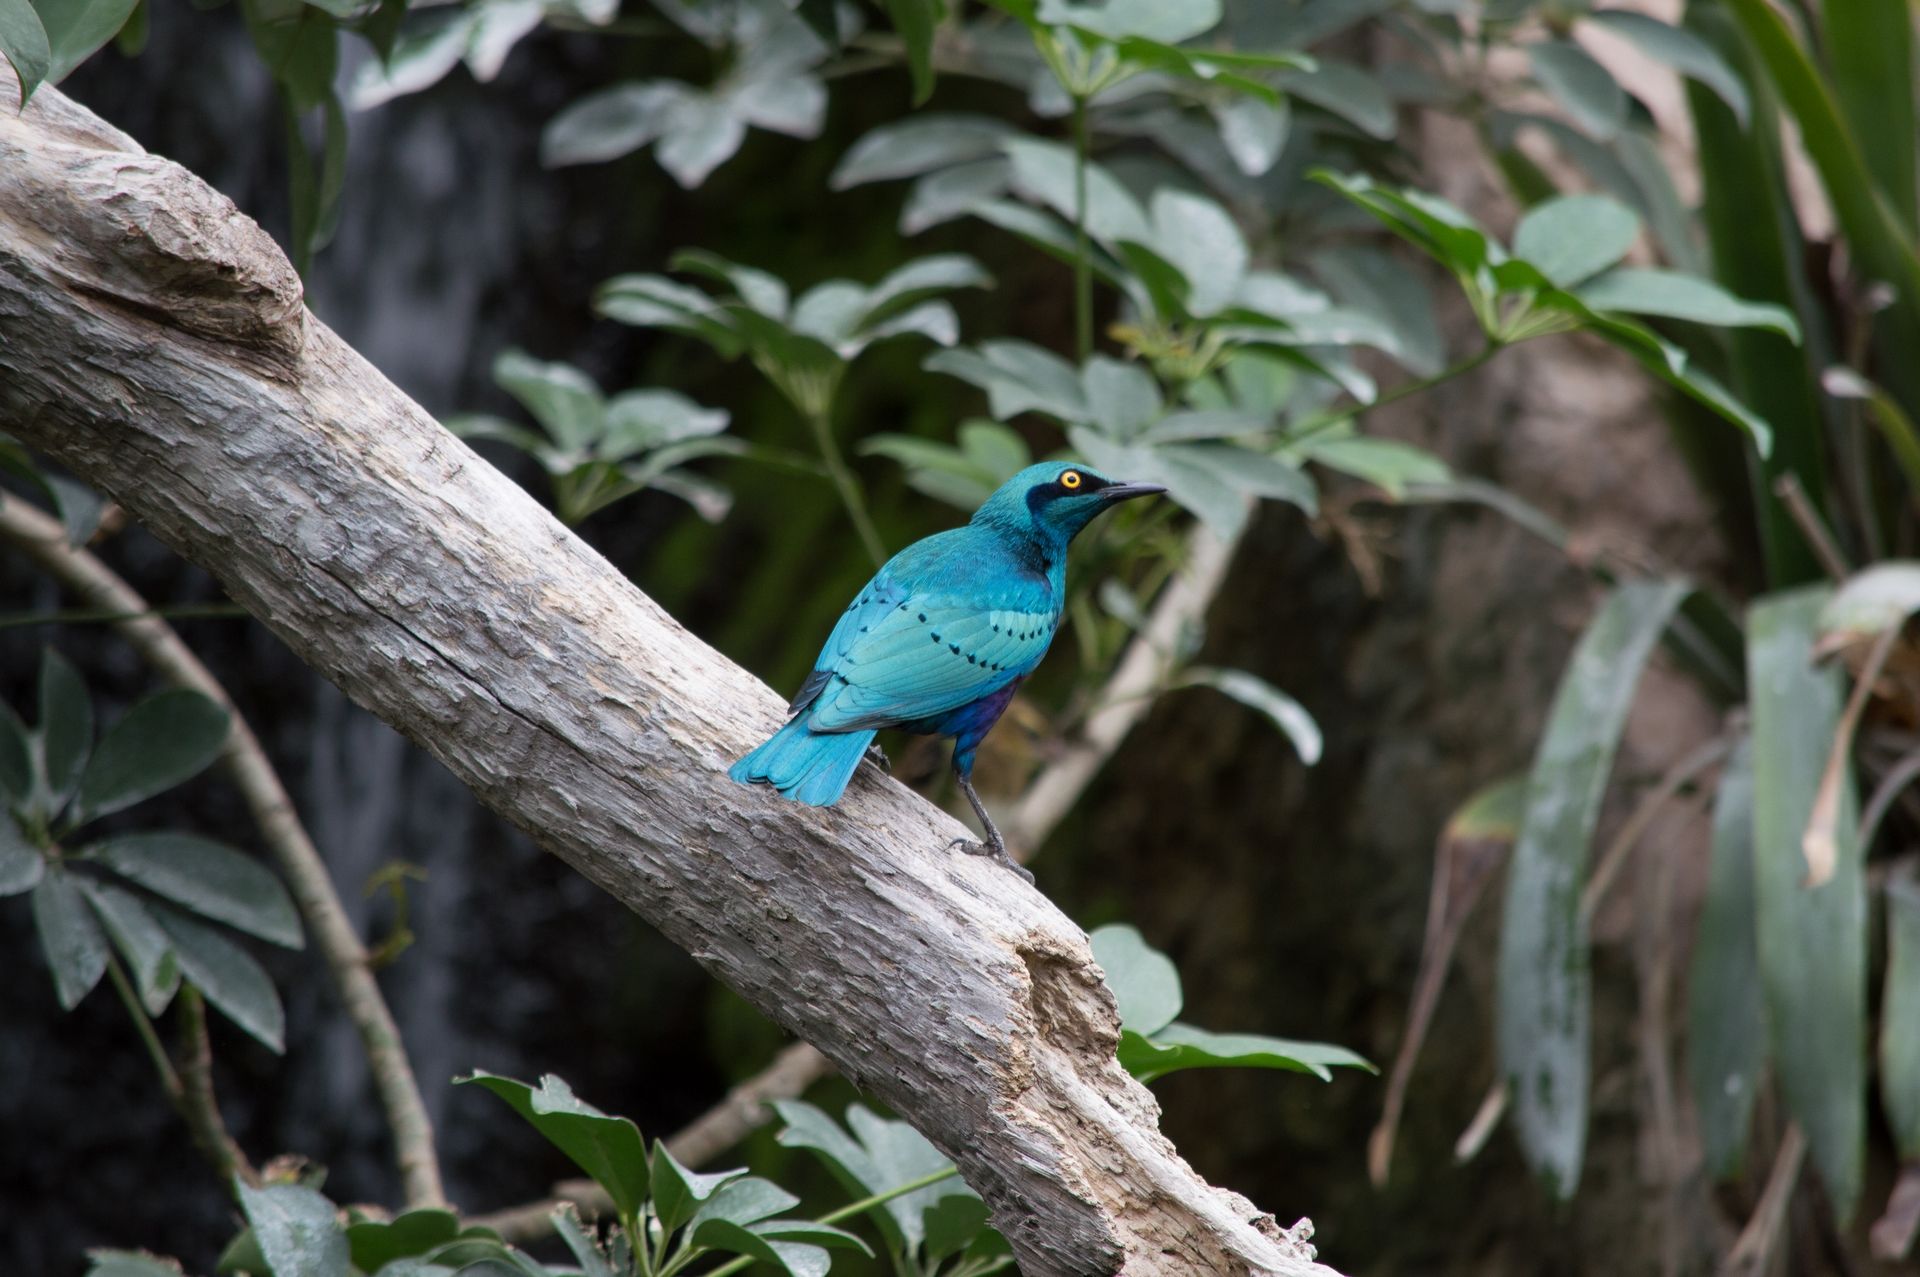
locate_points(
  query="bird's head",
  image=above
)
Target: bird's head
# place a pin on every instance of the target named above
(1056, 499)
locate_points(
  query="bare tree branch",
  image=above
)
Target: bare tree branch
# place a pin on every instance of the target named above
(154, 341)
(44, 541)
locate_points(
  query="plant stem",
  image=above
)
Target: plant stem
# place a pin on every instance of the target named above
(1334, 416)
(1082, 251)
(849, 1211)
(197, 1102)
(88, 615)
(847, 484)
(149, 1037)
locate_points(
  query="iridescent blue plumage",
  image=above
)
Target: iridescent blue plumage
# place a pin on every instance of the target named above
(939, 639)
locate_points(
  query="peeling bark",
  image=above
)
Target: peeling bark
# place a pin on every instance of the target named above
(155, 341)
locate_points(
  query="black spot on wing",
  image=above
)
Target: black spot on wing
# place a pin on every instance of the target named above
(810, 691)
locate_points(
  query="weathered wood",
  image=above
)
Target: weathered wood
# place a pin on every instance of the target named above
(155, 341)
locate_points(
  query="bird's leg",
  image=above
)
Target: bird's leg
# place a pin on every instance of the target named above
(878, 757)
(995, 846)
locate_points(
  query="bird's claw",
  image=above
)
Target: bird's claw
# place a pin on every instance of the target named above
(973, 847)
(878, 757)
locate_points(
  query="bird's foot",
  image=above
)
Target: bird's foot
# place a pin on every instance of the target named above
(996, 851)
(878, 757)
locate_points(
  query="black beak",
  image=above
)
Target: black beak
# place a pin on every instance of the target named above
(1128, 491)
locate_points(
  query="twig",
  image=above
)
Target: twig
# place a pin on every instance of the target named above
(1677, 778)
(1820, 842)
(44, 541)
(1750, 1253)
(1819, 540)
(85, 616)
(197, 1101)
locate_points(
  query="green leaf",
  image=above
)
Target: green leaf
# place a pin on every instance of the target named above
(1726, 1018)
(140, 939)
(1869, 49)
(213, 880)
(763, 293)
(1427, 222)
(642, 420)
(66, 727)
(1682, 50)
(1182, 1046)
(604, 126)
(1044, 172)
(586, 1250)
(1674, 296)
(127, 1263)
(907, 287)
(21, 863)
(375, 1243)
(678, 1192)
(164, 740)
(1386, 463)
(744, 1201)
(561, 398)
(1872, 602)
(1164, 21)
(1256, 693)
(1575, 237)
(16, 758)
(812, 1233)
(607, 1148)
(952, 1223)
(1018, 377)
(1588, 90)
(24, 42)
(296, 1228)
(793, 1258)
(1200, 239)
(1144, 982)
(878, 1156)
(74, 946)
(1348, 92)
(232, 981)
(916, 21)
(921, 143)
(76, 28)
(418, 60)
(1900, 1015)
(1543, 980)
(80, 507)
(1812, 943)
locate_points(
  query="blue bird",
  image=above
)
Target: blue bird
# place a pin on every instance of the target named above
(938, 641)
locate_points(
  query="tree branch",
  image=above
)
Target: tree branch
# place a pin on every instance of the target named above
(154, 341)
(245, 763)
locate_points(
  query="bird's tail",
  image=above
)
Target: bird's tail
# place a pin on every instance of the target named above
(808, 767)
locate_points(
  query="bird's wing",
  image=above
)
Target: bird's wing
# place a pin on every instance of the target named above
(927, 654)
(876, 600)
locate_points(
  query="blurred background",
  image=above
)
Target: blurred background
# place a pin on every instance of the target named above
(1462, 456)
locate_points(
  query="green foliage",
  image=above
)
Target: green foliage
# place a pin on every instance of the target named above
(597, 451)
(139, 894)
(1544, 988)
(1153, 1043)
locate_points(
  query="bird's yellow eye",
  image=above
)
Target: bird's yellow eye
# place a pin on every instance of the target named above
(1070, 480)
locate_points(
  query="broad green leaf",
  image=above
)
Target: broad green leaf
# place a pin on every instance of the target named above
(232, 981)
(1575, 237)
(66, 726)
(1726, 1017)
(1252, 131)
(918, 281)
(586, 1250)
(80, 507)
(1122, 398)
(607, 1148)
(1018, 377)
(1900, 1016)
(1543, 979)
(744, 1201)
(1869, 50)
(21, 863)
(679, 1192)
(75, 947)
(1348, 92)
(1369, 280)
(808, 1232)
(878, 1156)
(1675, 296)
(1386, 463)
(1143, 980)
(1812, 943)
(920, 143)
(561, 398)
(140, 939)
(167, 738)
(1044, 173)
(16, 758)
(916, 21)
(76, 28)
(1429, 223)
(1202, 242)
(419, 60)
(1682, 50)
(374, 1243)
(604, 126)
(1165, 21)
(127, 1263)
(794, 1258)
(764, 293)
(1586, 89)
(1182, 1046)
(213, 880)
(641, 420)
(24, 42)
(296, 1228)
(1872, 602)
(702, 133)
(1256, 693)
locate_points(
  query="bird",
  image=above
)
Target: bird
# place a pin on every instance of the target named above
(939, 640)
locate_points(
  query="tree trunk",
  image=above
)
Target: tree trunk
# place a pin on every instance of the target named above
(154, 340)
